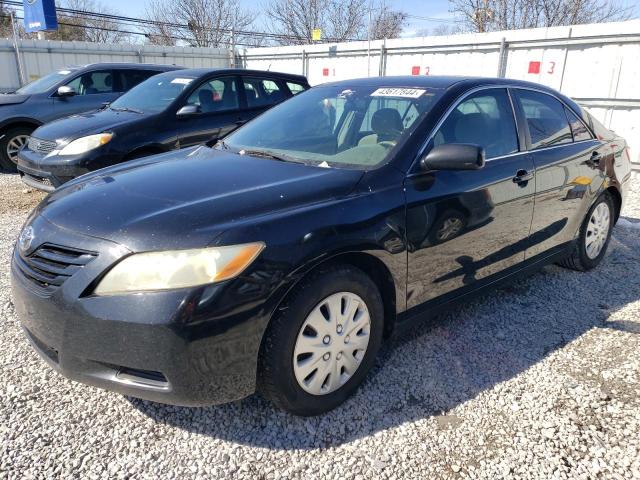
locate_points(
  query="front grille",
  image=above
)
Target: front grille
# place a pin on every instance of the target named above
(41, 146)
(49, 266)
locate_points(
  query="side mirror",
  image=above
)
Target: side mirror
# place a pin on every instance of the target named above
(454, 156)
(187, 111)
(65, 91)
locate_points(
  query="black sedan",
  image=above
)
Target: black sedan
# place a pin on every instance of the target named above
(170, 111)
(281, 258)
(61, 93)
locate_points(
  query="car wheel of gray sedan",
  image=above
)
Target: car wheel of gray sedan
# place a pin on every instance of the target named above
(595, 234)
(321, 344)
(10, 144)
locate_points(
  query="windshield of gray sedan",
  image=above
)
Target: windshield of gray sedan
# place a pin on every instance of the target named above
(43, 84)
(154, 94)
(336, 126)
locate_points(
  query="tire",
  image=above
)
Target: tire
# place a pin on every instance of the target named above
(286, 339)
(582, 258)
(11, 139)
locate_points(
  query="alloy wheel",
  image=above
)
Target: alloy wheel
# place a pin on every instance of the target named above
(14, 145)
(597, 230)
(331, 343)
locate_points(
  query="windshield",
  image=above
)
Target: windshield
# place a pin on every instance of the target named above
(154, 94)
(335, 126)
(43, 84)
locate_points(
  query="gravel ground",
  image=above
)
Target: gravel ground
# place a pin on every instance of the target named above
(540, 379)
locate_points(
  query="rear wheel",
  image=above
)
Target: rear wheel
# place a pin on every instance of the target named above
(320, 346)
(595, 234)
(10, 144)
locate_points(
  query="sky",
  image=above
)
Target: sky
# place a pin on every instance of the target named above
(438, 9)
(431, 13)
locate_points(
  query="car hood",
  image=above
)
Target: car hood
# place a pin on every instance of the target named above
(88, 123)
(13, 99)
(184, 199)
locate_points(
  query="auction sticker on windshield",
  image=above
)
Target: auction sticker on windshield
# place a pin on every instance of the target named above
(182, 81)
(398, 92)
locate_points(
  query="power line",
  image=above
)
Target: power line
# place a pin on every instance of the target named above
(432, 19)
(134, 21)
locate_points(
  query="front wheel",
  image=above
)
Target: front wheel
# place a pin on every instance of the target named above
(595, 234)
(11, 142)
(320, 346)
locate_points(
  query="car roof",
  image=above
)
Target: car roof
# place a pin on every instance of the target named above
(126, 66)
(200, 72)
(433, 81)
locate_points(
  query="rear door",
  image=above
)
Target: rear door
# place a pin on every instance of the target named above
(126, 79)
(93, 89)
(218, 114)
(465, 226)
(568, 169)
(261, 93)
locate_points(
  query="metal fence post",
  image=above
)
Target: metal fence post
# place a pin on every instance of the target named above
(564, 62)
(502, 59)
(382, 69)
(17, 50)
(304, 62)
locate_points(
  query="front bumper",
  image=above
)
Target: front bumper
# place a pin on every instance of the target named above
(47, 174)
(183, 347)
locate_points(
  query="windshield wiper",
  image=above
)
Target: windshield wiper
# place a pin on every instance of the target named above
(264, 154)
(126, 109)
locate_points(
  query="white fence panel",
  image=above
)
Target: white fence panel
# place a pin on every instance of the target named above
(40, 57)
(598, 65)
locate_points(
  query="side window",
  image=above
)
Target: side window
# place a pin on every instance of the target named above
(90, 83)
(262, 92)
(217, 95)
(546, 119)
(484, 118)
(578, 129)
(295, 88)
(131, 78)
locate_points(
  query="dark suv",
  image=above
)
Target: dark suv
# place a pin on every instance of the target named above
(62, 93)
(169, 111)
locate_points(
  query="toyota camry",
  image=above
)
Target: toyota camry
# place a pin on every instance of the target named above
(281, 258)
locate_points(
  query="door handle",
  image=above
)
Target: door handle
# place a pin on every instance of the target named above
(522, 176)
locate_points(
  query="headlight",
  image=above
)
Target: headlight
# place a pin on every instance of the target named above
(178, 268)
(85, 144)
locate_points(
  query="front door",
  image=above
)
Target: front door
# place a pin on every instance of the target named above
(92, 91)
(218, 112)
(568, 173)
(465, 226)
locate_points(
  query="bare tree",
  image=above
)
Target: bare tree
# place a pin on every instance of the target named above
(387, 23)
(295, 20)
(199, 23)
(443, 29)
(488, 15)
(5, 21)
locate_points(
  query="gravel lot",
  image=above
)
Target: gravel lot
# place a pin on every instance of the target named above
(540, 379)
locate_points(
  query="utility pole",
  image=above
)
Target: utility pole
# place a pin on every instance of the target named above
(17, 50)
(233, 47)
